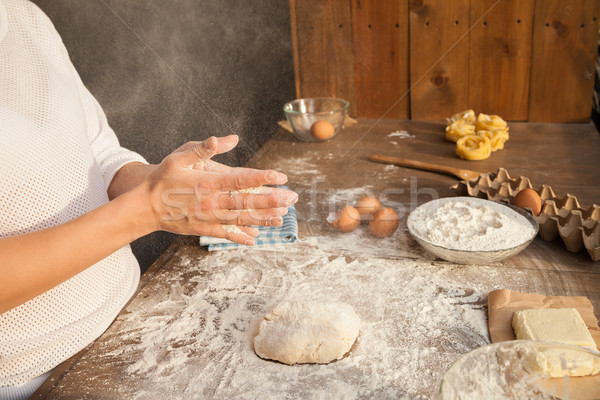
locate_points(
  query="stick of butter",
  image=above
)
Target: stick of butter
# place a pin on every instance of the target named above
(563, 325)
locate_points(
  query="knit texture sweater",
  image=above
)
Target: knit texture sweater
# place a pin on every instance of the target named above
(58, 156)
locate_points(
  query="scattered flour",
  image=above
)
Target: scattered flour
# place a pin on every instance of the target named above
(300, 166)
(470, 224)
(192, 334)
(257, 189)
(189, 334)
(232, 228)
(401, 135)
(342, 197)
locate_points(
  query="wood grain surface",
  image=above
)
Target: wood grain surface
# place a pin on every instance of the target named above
(189, 283)
(439, 58)
(564, 52)
(380, 43)
(322, 34)
(523, 60)
(499, 57)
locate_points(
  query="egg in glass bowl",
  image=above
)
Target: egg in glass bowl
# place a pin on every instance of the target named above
(316, 119)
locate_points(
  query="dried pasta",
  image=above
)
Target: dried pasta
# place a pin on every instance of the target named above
(489, 122)
(459, 129)
(476, 137)
(467, 116)
(497, 137)
(474, 147)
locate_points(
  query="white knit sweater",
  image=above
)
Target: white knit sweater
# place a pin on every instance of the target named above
(57, 157)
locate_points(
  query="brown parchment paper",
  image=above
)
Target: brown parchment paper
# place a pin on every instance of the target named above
(503, 303)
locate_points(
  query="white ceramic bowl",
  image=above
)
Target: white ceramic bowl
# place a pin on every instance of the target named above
(472, 256)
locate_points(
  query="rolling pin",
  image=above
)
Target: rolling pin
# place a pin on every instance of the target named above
(403, 162)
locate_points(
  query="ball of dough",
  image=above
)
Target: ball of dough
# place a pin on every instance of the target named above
(312, 331)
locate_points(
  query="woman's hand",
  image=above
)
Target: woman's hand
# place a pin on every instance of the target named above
(188, 193)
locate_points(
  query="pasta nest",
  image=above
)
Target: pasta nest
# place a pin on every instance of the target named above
(476, 137)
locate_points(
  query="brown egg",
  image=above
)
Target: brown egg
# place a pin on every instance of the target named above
(349, 219)
(367, 206)
(322, 130)
(528, 198)
(384, 223)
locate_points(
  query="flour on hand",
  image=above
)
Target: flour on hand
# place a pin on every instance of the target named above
(307, 332)
(257, 189)
(232, 227)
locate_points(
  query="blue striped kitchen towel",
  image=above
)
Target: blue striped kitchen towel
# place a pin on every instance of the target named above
(286, 233)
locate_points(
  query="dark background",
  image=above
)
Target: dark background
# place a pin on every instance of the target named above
(167, 72)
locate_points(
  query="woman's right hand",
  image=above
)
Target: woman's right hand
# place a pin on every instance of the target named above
(188, 193)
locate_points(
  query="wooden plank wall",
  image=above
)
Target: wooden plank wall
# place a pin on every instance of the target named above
(439, 58)
(322, 35)
(380, 41)
(526, 60)
(565, 36)
(499, 57)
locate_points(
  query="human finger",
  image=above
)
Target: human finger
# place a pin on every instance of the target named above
(238, 234)
(268, 217)
(193, 152)
(251, 178)
(246, 229)
(223, 143)
(267, 197)
(214, 166)
(250, 230)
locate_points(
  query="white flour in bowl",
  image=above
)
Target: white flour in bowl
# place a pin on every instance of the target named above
(471, 224)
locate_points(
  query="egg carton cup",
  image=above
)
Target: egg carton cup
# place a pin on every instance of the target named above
(578, 227)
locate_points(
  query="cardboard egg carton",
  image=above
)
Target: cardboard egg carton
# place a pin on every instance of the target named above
(578, 227)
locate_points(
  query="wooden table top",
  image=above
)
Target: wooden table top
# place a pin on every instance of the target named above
(187, 332)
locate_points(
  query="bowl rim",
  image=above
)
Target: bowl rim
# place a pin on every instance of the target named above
(510, 343)
(526, 214)
(344, 104)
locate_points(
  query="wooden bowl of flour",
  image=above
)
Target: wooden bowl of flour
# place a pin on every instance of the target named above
(468, 230)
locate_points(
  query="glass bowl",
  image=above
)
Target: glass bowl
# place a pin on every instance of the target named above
(473, 256)
(303, 113)
(512, 370)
